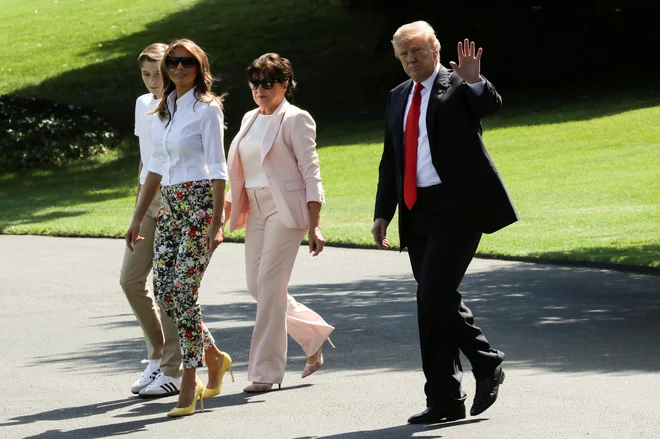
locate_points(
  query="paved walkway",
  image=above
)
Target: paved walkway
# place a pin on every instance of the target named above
(583, 356)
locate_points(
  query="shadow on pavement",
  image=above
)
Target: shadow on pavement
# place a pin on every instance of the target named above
(547, 317)
(399, 432)
(104, 431)
(63, 414)
(141, 408)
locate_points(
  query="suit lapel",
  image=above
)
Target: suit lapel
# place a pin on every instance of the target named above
(439, 87)
(400, 109)
(273, 128)
(233, 148)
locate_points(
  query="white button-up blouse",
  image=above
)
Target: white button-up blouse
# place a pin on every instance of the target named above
(143, 107)
(191, 146)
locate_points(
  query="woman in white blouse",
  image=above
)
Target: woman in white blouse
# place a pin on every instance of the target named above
(188, 164)
(276, 193)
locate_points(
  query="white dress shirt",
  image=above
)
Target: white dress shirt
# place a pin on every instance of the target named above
(189, 147)
(249, 151)
(144, 105)
(426, 173)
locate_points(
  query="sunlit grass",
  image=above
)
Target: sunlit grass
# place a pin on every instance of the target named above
(54, 37)
(85, 52)
(580, 197)
(584, 176)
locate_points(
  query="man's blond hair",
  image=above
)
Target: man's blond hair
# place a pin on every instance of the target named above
(417, 29)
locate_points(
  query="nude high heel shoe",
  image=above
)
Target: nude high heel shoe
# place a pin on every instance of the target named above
(261, 387)
(310, 368)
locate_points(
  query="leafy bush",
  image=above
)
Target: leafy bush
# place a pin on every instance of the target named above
(38, 133)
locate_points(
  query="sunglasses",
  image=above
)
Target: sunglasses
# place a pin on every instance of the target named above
(266, 83)
(188, 62)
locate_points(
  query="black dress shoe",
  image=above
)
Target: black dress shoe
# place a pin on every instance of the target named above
(486, 393)
(433, 415)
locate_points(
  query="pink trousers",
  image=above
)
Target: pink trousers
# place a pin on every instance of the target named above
(270, 253)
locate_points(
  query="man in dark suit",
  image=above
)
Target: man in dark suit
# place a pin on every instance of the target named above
(435, 167)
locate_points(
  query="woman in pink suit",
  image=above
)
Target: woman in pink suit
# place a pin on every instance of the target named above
(276, 194)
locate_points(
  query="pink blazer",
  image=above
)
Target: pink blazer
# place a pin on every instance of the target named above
(290, 162)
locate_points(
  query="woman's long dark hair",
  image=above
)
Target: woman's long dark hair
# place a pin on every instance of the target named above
(203, 80)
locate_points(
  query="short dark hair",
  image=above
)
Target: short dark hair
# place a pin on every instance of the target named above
(274, 66)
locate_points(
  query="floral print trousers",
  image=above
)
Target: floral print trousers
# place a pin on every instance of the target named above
(180, 259)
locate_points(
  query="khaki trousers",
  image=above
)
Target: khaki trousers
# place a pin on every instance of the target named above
(160, 334)
(270, 253)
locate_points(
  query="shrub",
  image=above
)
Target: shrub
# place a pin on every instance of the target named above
(39, 133)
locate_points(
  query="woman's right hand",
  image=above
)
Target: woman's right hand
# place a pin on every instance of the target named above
(132, 235)
(316, 241)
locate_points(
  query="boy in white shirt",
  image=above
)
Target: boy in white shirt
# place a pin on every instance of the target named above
(162, 376)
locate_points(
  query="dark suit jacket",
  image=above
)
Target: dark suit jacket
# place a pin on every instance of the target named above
(453, 121)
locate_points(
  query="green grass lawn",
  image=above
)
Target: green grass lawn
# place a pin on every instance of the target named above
(582, 171)
(85, 52)
(586, 191)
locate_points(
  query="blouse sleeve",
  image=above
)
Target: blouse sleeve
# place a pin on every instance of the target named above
(213, 142)
(158, 161)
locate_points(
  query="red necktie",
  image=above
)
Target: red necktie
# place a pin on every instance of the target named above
(410, 159)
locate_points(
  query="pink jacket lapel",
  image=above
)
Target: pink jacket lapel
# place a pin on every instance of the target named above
(273, 128)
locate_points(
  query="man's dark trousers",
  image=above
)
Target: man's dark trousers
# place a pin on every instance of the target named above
(441, 244)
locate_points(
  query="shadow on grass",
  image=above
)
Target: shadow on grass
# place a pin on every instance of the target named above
(550, 106)
(630, 257)
(521, 108)
(238, 33)
(25, 218)
(343, 76)
(24, 194)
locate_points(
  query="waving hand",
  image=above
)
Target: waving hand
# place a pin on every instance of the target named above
(469, 62)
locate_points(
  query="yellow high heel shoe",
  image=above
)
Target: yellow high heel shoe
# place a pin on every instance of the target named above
(185, 411)
(226, 364)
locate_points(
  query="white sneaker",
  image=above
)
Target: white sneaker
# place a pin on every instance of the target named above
(148, 376)
(161, 386)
